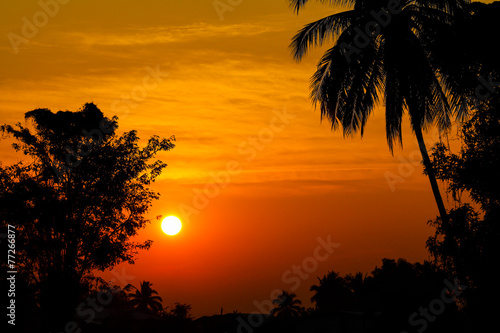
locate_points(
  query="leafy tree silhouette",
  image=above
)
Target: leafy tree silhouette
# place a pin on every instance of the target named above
(400, 288)
(74, 222)
(180, 311)
(359, 286)
(391, 59)
(144, 299)
(385, 299)
(467, 247)
(467, 52)
(331, 294)
(473, 170)
(287, 306)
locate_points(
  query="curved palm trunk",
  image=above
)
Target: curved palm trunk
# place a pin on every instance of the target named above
(430, 173)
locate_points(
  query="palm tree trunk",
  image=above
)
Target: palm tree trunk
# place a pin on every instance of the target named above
(430, 173)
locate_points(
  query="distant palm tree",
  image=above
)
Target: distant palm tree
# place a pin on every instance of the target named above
(390, 60)
(359, 285)
(287, 306)
(332, 293)
(356, 282)
(144, 299)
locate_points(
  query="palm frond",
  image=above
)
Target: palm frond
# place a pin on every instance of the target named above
(321, 78)
(156, 298)
(449, 6)
(428, 90)
(318, 32)
(394, 110)
(299, 4)
(347, 92)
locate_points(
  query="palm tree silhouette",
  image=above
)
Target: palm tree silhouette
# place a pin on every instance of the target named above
(144, 299)
(383, 57)
(288, 307)
(332, 293)
(356, 283)
(360, 287)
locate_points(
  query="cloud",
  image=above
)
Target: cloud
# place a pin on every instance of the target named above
(170, 34)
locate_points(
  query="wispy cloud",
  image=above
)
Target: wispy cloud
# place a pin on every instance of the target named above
(170, 34)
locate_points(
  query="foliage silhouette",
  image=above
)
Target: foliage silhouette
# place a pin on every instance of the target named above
(359, 286)
(395, 64)
(180, 311)
(331, 294)
(467, 51)
(468, 247)
(400, 289)
(287, 307)
(474, 169)
(385, 299)
(144, 299)
(72, 223)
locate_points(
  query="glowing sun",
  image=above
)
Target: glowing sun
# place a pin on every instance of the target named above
(171, 225)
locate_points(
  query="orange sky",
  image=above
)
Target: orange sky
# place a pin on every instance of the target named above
(220, 85)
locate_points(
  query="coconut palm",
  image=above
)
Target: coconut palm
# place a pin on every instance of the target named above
(357, 283)
(331, 293)
(360, 287)
(383, 52)
(144, 299)
(287, 306)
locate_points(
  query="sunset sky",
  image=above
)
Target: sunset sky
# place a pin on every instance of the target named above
(226, 85)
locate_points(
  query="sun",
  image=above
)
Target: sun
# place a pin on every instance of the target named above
(171, 225)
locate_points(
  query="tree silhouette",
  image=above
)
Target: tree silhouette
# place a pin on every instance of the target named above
(467, 53)
(474, 169)
(359, 286)
(356, 282)
(467, 247)
(76, 200)
(287, 306)
(392, 59)
(120, 300)
(399, 288)
(144, 299)
(180, 311)
(386, 298)
(331, 294)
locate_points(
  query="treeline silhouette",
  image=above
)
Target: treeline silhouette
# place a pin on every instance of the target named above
(390, 299)
(397, 296)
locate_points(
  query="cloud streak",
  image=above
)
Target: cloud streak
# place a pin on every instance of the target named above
(169, 34)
